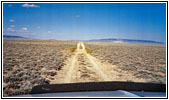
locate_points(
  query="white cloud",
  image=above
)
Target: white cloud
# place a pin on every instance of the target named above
(24, 29)
(11, 20)
(9, 29)
(10, 5)
(26, 5)
(12, 25)
(49, 31)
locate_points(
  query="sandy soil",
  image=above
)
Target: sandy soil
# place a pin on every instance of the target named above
(83, 67)
(132, 62)
(28, 63)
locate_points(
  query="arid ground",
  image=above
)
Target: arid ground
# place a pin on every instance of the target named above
(27, 63)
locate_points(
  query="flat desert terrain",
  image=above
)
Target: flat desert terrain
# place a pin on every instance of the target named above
(28, 63)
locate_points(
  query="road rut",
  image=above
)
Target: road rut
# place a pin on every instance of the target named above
(84, 68)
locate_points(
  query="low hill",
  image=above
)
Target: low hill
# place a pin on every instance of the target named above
(13, 37)
(126, 41)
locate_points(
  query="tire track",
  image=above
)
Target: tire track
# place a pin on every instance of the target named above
(84, 68)
(101, 73)
(68, 76)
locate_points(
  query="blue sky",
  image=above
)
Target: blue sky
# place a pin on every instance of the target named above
(85, 21)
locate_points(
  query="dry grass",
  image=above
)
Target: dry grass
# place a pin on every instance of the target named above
(72, 49)
(88, 51)
(143, 61)
(27, 63)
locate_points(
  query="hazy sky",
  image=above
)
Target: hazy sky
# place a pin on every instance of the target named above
(83, 21)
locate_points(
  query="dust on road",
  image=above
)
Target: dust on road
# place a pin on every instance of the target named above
(83, 67)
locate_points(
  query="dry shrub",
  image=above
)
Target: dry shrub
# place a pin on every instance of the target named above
(72, 49)
(88, 50)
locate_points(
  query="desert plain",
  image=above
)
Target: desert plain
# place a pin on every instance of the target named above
(28, 63)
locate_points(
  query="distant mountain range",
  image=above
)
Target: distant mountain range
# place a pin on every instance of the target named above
(14, 37)
(102, 40)
(126, 41)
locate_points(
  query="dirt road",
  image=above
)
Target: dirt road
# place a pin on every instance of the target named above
(83, 67)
